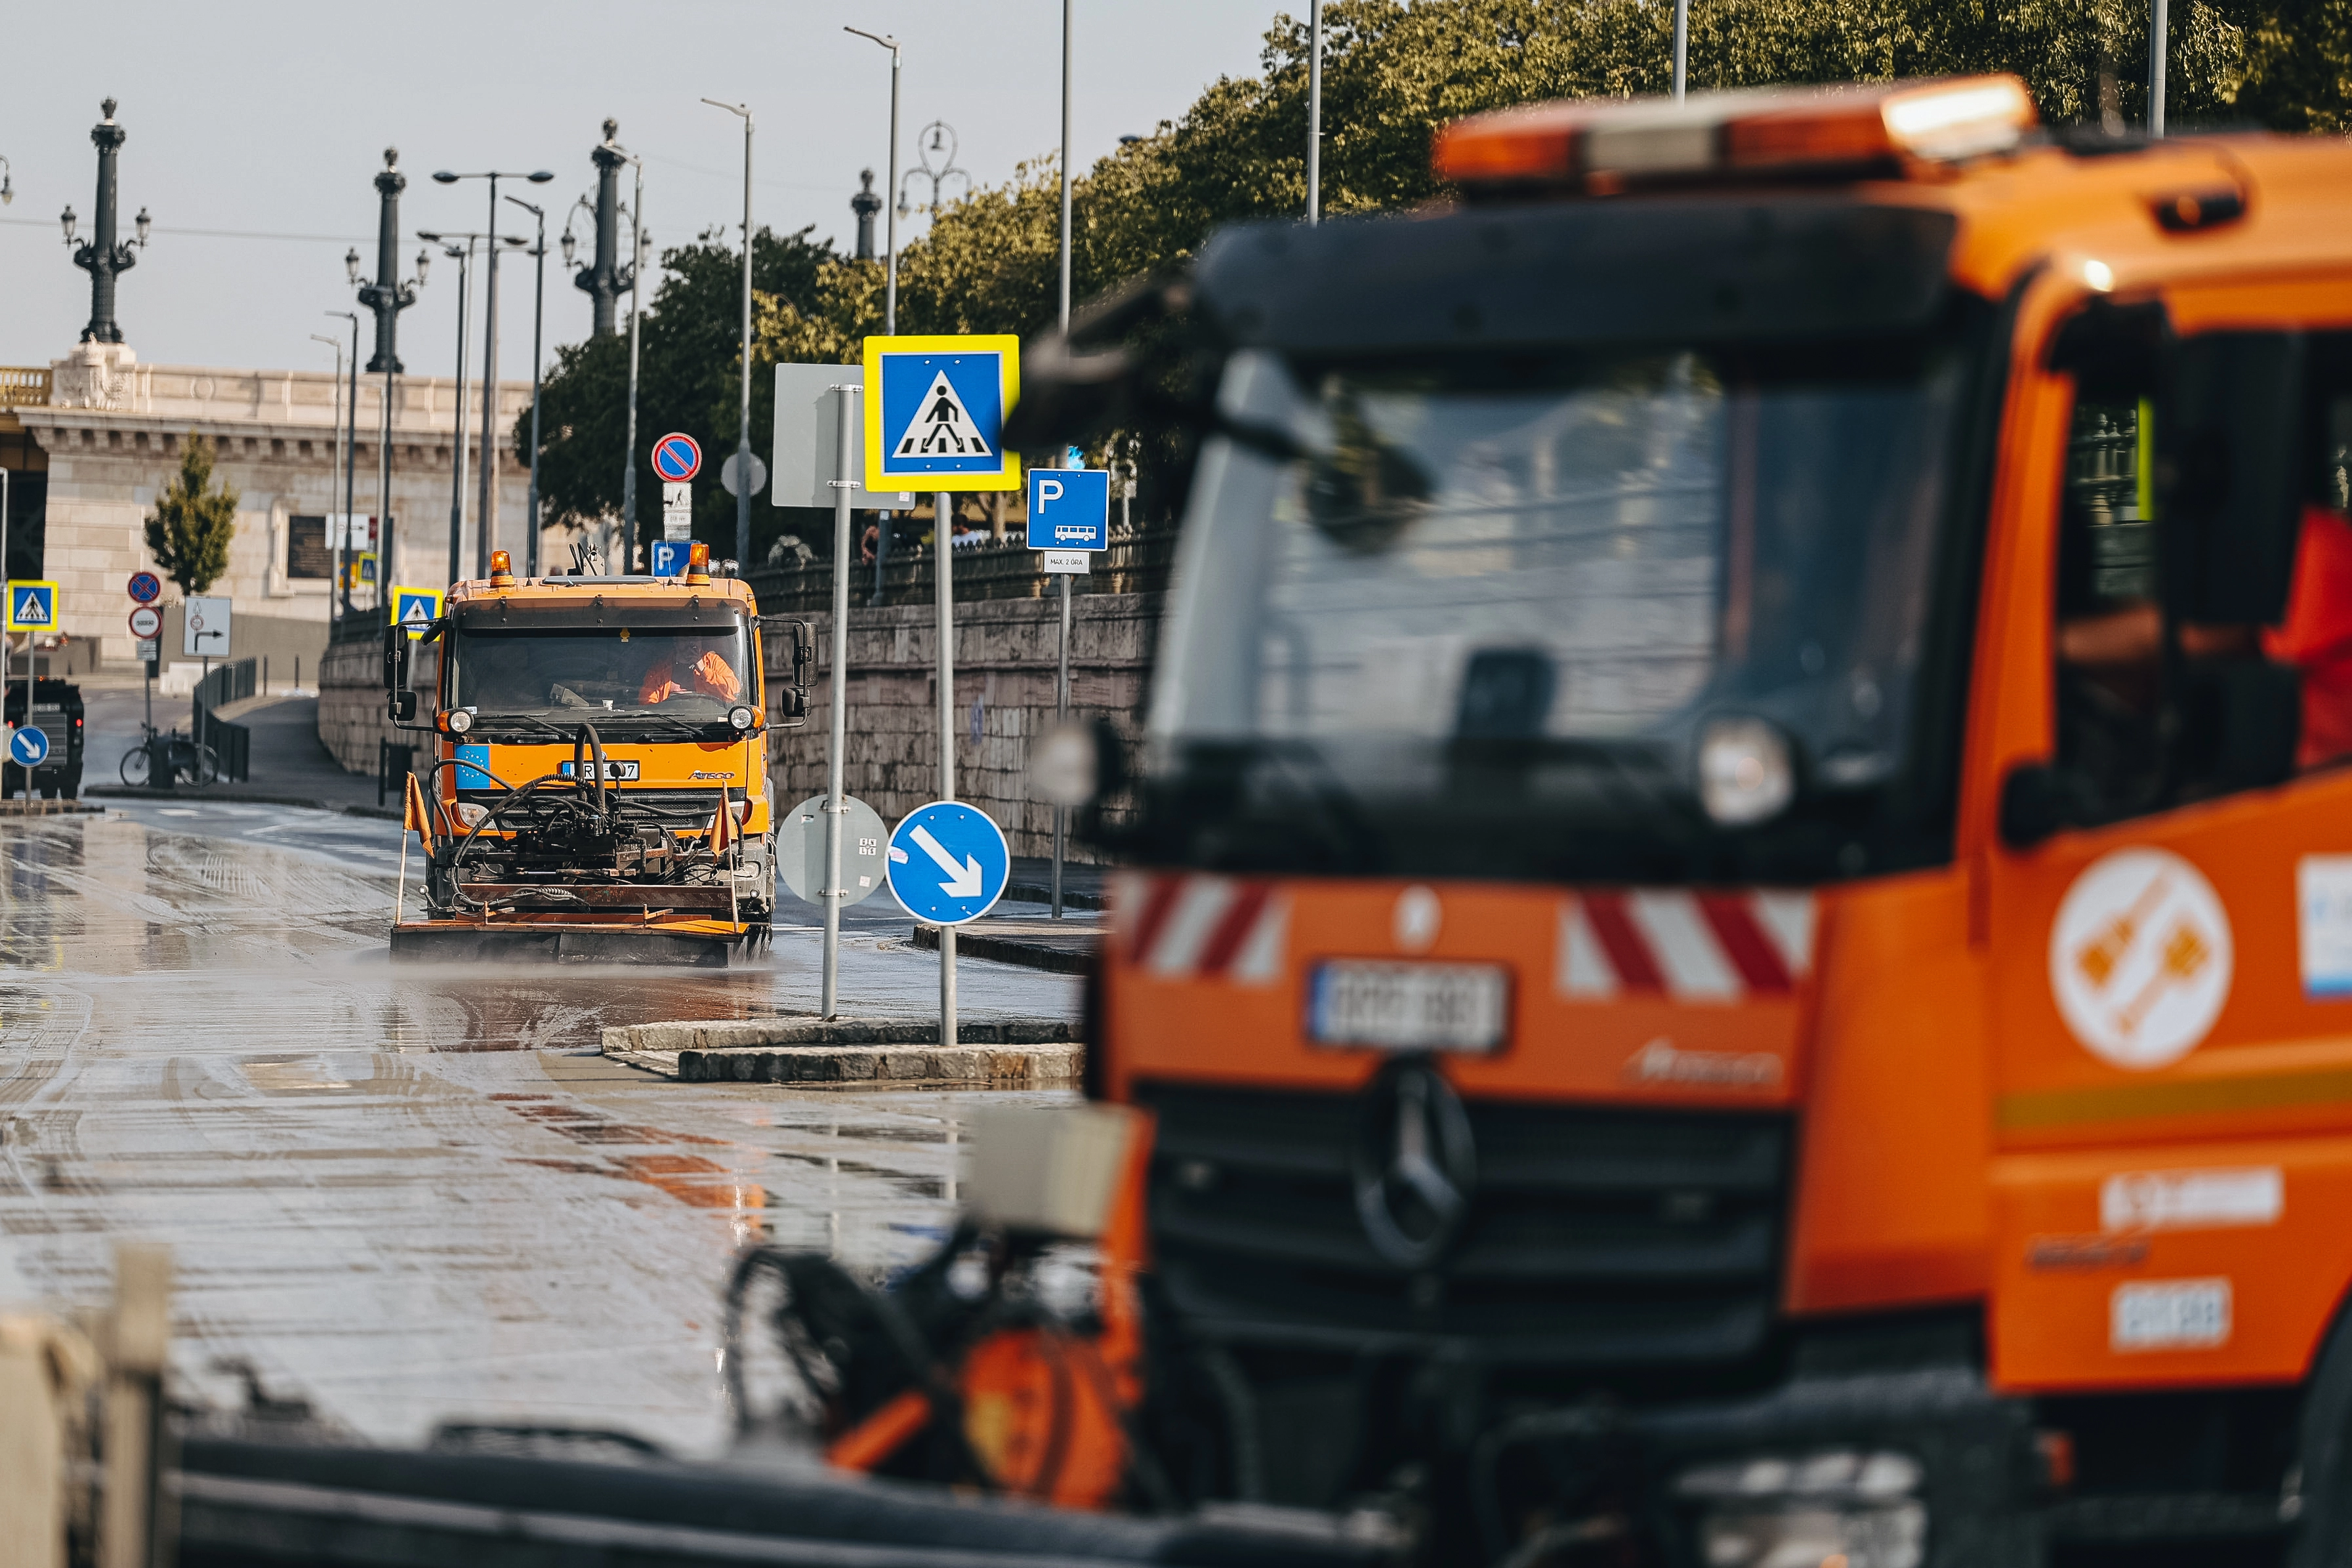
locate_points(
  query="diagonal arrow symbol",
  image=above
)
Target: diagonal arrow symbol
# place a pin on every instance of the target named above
(963, 881)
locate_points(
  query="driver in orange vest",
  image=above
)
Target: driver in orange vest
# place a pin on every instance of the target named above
(681, 674)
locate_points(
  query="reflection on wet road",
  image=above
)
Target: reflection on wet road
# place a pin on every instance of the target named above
(413, 1194)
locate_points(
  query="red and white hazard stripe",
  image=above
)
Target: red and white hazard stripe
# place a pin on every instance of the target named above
(1205, 927)
(1689, 947)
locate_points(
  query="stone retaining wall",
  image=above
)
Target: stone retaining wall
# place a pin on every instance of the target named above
(1005, 654)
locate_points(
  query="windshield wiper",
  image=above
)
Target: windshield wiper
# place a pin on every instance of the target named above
(492, 721)
(692, 732)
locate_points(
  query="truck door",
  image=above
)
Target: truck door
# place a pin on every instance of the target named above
(2169, 896)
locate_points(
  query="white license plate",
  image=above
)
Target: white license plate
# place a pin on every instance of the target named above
(614, 772)
(2168, 1314)
(1410, 1006)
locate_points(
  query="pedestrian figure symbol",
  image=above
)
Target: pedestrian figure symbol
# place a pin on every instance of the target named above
(942, 425)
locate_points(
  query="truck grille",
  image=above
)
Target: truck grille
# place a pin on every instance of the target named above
(1594, 1235)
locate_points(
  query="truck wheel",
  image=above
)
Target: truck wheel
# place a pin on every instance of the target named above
(2322, 1485)
(48, 791)
(71, 788)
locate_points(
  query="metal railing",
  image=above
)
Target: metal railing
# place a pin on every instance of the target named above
(24, 387)
(1135, 563)
(231, 742)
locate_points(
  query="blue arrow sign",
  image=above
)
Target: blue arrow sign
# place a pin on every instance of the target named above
(948, 863)
(1069, 509)
(30, 748)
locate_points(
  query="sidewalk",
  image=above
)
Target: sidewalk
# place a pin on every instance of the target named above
(289, 764)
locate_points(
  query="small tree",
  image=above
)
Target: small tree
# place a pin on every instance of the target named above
(189, 534)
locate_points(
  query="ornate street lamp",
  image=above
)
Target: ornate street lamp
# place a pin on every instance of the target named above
(104, 257)
(387, 297)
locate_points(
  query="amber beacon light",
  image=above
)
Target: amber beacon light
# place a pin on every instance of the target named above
(698, 564)
(1603, 147)
(501, 569)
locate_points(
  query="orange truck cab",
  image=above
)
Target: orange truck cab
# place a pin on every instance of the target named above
(1741, 933)
(598, 786)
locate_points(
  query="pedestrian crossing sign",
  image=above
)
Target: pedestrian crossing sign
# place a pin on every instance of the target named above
(32, 606)
(415, 608)
(935, 411)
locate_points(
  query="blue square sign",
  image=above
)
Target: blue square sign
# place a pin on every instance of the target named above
(935, 411)
(669, 557)
(1069, 509)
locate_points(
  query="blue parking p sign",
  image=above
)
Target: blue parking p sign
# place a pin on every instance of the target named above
(670, 556)
(1069, 509)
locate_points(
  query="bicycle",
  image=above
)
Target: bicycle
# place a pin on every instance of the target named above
(174, 754)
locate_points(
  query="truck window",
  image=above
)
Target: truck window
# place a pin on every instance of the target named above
(2137, 720)
(1517, 588)
(575, 673)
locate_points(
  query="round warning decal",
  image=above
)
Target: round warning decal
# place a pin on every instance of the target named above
(2140, 958)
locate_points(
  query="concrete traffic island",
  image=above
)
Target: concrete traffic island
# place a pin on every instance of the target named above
(855, 1053)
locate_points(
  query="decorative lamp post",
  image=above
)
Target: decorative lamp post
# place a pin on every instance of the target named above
(605, 279)
(105, 258)
(387, 297)
(866, 205)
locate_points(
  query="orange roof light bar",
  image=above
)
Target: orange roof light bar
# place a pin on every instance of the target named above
(1604, 146)
(698, 563)
(501, 569)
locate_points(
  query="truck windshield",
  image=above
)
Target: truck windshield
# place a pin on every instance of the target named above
(578, 673)
(1456, 616)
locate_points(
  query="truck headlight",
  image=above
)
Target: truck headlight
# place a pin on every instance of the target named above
(460, 721)
(1782, 1510)
(470, 814)
(1745, 776)
(741, 716)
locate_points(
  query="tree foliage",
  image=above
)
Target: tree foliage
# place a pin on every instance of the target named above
(1395, 71)
(192, 523)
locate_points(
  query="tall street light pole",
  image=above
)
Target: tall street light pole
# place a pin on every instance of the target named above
(1682, 46)
(387, 297)
(463, 255)
(1314, 114)
(336, 344)
(743, 432)
(350, 435)
(537, 322)
(2157, 20)
(486, 533)
(889, 277)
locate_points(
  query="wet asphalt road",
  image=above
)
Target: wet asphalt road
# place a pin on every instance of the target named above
(411, 1195)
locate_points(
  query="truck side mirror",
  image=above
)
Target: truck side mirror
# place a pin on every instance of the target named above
(395, 659)
(404, 706)
(2229, 474)
(793, 702)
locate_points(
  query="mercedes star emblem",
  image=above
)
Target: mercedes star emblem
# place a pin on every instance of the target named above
(1414, 1166)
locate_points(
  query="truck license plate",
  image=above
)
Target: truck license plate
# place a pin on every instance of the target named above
(614, 772)
(1410, 1006)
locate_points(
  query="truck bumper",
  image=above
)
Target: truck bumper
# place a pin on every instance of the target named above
(700, 945)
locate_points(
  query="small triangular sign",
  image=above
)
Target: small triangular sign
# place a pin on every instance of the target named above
(941, 427)
(30, 608)
(417, 613)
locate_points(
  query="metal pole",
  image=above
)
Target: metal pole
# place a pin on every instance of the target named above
(337, 553)
(458, 427)
(1315, 113)
(350, 467)
(383, 499)
(943, 536)
(629, 459)
(1682, 45)
(486, 513)
(1065, 167)
(8, 599)
(744, 436)
(538, 359)
(891, 225)
(836, 808)
(2157, 20)
(1062, 715)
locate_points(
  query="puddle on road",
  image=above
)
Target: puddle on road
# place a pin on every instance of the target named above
(383, 1186)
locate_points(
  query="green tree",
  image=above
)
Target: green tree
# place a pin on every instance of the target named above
(1394, 72)
(190, 531)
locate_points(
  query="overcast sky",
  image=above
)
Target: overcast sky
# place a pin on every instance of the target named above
(258, 117)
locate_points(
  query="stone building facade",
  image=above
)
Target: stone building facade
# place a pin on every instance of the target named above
(104, 433)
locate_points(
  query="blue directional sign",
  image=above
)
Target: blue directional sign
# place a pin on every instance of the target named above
(30, 748)
(670, 556)
(1069, 509)
(935, 411)
(32, 606)
(948, 863)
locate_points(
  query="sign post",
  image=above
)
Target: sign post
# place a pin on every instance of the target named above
(1069, 518)
(836, 805)
(935, 411)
